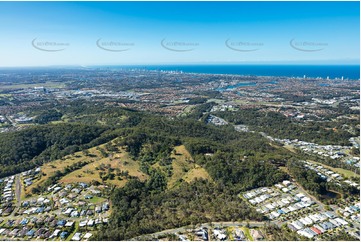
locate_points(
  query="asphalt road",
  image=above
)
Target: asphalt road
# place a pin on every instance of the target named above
(18, 190)
(17, 194)
(214, 224)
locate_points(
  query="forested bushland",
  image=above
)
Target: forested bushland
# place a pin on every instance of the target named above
(45, 143)
(139, 209)
(48, 116)
(316, 185)
(341, 236)
(279, 126)
(239, 161)
(307, 178)
(280, 234)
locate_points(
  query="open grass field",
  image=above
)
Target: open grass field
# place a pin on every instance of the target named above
(290, 148)
(97, 200)
(50, 168)
(90, 172)
(23, 86)
(216, 100)
(241, 102)
(284, 169)
(22, 192)
(230, 232)
(247, 233)
(188, 109)
(76, 228)
(119, 160)
(115, 163)
(346, 173)
(57, 122)
(286, 147)
(197, 172)
(184, 168)
(181, 164)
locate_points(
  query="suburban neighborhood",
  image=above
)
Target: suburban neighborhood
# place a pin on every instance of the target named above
(64, 212)
(286, 203)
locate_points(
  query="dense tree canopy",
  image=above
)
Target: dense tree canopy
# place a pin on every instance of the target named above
(139, 210)
(24, 149)
(279, 126)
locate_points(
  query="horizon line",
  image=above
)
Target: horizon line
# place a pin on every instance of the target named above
(183, 64)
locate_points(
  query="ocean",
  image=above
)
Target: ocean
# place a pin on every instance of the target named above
(323, 71)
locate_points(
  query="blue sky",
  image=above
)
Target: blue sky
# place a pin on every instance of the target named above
(192, 32)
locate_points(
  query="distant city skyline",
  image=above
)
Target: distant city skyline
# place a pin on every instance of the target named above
(141, 33)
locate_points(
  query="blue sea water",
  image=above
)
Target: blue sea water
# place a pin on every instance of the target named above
(323, 71)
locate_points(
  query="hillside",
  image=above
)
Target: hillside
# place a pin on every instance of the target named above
(163, 173)
(115, 168)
